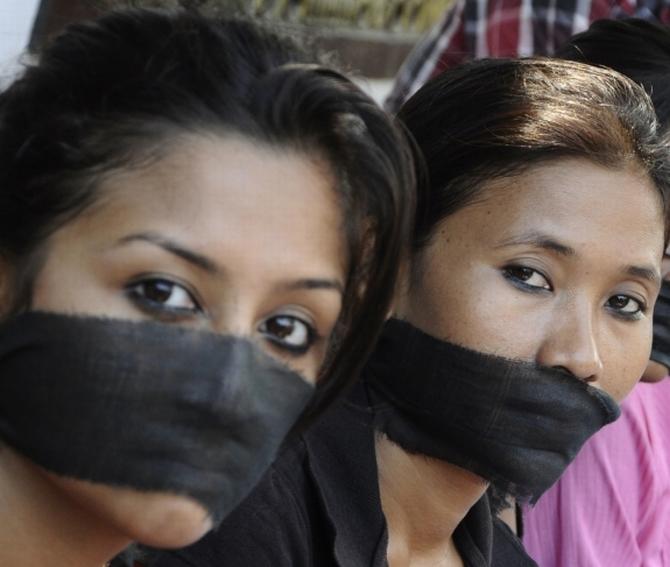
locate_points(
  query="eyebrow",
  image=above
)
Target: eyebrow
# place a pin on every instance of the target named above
(643, 272)
(539, 240)
(174, 248)
(213, 268)
(314, 283)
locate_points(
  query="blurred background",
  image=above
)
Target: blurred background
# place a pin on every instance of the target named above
(369, 38)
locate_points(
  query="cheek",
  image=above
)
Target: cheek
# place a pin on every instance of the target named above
(66, 283)
(72, 280)
(479, 309)
(314, 362)
(154, 519)
(61, 286)
(69, 287)
(624, 362)
(308, 366)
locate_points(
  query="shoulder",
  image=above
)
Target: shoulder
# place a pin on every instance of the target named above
(598, 501)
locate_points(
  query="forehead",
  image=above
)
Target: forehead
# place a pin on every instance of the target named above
(593, 209)
(232, 199)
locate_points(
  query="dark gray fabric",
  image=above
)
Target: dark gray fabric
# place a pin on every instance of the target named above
(319, 506)
(513, 423)
(660, 351)
(145, 405)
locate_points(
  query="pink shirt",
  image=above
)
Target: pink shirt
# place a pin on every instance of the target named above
(611, 507)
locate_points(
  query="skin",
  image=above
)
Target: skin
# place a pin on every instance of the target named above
(183, 241)
(528, 273)
(655, 371)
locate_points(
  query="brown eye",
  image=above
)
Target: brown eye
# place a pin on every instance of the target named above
(625, 304)
(522, 273)
(162, 294)
(525, 277)
(288, 332)
(158, 290)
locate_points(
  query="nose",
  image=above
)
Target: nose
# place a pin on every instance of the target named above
(571, 344)
(234, 316)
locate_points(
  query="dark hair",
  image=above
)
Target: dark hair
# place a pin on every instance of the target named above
(496, 118)
(636, 48)
(113, 93)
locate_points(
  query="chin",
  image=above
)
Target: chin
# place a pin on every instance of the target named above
(169, 521)
(156, 519)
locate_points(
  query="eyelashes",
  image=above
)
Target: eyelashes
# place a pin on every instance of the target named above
(162, 296)
(170, 301)
(288, 332)
(530, 280)
(626, 306)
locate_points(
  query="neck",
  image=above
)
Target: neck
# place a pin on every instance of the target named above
(423, 500)
(42, 526)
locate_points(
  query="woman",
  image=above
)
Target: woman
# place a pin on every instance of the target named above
(612, 504)
(193, 218)
(515, 333)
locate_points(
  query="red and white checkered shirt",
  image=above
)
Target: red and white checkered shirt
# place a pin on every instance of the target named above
(472, 29)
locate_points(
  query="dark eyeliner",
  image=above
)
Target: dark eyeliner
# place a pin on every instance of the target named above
(627, 316)
(156, 308)
(290, 349)
(636, 316)
(507, 273)
(312, 337)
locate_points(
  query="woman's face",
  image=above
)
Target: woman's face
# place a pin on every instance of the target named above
(560, 266)
(224, 235)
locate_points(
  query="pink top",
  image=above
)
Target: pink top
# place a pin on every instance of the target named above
(611, 507)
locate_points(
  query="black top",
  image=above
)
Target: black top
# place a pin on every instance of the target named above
(319, 506)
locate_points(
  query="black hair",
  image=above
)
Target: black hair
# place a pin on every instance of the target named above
(114, 93)
(636, 48)
(495, 118)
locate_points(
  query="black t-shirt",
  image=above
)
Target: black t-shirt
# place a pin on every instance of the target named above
(319, 506)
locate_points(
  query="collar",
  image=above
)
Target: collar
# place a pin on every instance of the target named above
(341, 459)
(474, 535)
(343, 467)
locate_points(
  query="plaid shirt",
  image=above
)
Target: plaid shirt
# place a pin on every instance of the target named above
(472, 29)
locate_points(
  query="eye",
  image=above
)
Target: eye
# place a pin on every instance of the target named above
(288, 332)
(162, 295)
(526, 278)
(626, 306)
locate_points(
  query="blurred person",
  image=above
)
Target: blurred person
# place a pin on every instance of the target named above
(472, 29)
(200, 231)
